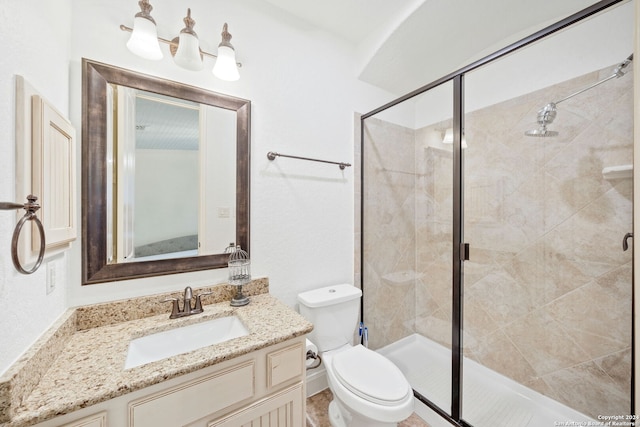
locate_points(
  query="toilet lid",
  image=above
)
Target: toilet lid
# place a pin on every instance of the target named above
(370, 375)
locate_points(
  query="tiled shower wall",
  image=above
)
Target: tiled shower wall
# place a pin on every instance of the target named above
(548, 292)
(389, 227)
(547, 297)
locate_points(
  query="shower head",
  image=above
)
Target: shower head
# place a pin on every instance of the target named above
(546, 115)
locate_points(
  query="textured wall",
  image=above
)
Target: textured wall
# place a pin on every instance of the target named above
(36, 35)
(303, 99)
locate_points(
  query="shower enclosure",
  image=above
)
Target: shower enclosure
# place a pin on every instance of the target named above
(491, 260)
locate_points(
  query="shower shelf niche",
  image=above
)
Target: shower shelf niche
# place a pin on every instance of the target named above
(617, 172)
(402, 277)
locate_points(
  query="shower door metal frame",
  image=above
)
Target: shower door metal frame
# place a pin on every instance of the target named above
(460, 249)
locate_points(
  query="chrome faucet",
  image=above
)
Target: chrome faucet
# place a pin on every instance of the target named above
(187, 308)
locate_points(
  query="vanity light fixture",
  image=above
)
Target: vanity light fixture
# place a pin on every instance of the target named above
(185, 48)
(225, 67)
(187, 55)
(447, 137)
(144, 36)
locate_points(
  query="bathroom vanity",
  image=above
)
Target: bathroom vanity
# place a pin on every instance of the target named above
(75, 375)
(265, 385)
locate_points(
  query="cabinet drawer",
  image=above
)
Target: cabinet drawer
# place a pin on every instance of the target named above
(97, 420)
(195, 399)
(285, 364)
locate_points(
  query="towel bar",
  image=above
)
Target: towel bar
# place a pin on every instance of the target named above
(271, 155)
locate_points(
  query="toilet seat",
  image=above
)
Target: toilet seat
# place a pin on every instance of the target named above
(371, 376)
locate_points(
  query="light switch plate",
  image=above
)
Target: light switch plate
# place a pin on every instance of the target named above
(51, 276)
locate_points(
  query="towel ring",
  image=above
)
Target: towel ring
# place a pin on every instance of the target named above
(31, 207)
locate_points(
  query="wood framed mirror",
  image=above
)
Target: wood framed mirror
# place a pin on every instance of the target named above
(110, 215)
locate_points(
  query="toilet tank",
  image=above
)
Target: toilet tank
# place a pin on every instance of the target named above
(333, 310)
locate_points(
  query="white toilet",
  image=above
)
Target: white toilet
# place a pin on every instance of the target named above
(368, 389)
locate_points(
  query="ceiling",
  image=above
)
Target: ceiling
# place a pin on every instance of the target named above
(166, 123)
(404, 44)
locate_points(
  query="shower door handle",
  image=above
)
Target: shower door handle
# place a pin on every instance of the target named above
(464, 252)
(625, 244)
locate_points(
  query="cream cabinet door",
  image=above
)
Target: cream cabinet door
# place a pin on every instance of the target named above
(283, 409)
(54, 173)
(193, 400)
(285, 365)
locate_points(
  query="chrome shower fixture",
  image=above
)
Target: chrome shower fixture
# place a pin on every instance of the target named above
(547, 114)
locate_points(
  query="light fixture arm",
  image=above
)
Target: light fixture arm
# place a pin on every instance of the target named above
(175, 44)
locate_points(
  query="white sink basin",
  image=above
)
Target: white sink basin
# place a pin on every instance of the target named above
(182, 340)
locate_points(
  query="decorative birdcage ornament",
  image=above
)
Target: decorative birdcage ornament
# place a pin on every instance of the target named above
(239, 274)
(231, 248)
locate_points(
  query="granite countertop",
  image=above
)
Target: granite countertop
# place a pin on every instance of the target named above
(80, 361)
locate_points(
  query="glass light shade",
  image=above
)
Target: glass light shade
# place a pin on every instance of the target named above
(188, 53)
(448, 136)
(144, 39)
(226, 67)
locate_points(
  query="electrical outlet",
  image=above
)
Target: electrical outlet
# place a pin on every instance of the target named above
(51, 277)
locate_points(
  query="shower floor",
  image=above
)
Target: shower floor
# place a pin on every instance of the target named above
(489, 398)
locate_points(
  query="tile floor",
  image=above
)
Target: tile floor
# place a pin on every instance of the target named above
(317, 416)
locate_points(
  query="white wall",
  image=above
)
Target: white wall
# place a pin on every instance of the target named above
(303, 95)
(302, 86)
(604, 40)
(36, 38)
(167, 188)
(601, 41)
(218, 187)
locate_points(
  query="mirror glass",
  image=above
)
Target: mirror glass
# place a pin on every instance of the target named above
(165, 182)
(173, 192)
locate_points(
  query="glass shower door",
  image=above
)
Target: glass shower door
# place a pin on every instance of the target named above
(407, 239)
(547, 289)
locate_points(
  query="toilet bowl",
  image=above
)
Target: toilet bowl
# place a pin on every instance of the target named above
(368, 389)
